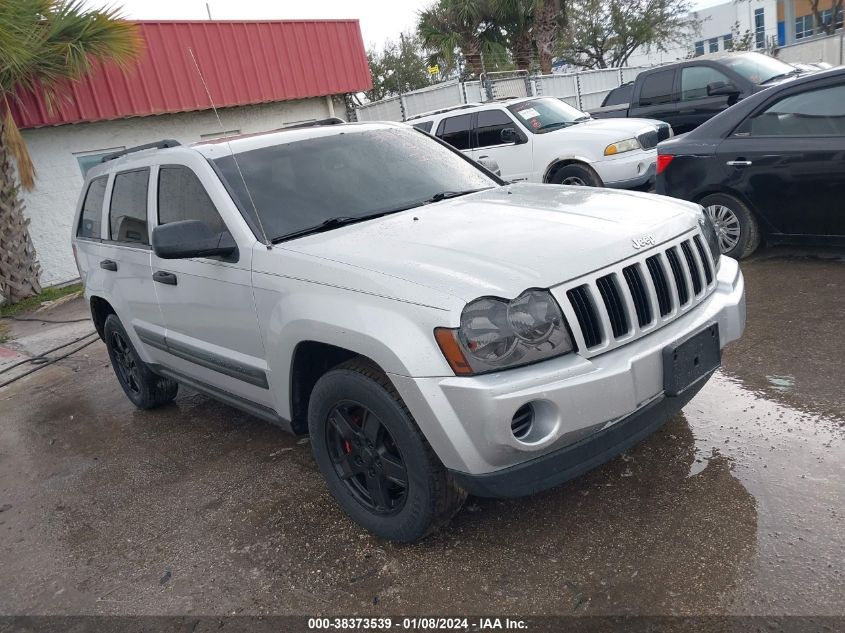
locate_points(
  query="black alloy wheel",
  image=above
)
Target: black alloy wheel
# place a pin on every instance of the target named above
(366, 458)
(128, 371)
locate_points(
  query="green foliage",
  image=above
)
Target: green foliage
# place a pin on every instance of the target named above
(466, 28)
(604, 33)
(399, 67)
(50, 294)
(741, 41)
(46, 43)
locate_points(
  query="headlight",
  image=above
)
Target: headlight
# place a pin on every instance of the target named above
(498, 334)
(622, 146)
(709, 232)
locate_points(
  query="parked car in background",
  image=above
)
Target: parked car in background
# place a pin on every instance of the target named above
(771, 167)
(688, 93)
(435, 330)
(543, 139)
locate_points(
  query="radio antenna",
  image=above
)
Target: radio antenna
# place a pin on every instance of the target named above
(267, 242)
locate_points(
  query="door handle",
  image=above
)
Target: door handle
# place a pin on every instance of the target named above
(738, 163)
(485, 156)
(164, 278)
(108, 264)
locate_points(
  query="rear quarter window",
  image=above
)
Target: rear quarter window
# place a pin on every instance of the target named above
(92, 209)
(425, 126)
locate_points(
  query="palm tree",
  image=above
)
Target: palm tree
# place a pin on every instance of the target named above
(549, 17)
(516, 18)
(461, 25)
(44, 45)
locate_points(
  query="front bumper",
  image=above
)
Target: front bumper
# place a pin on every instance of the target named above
(630, 169)
(552, 469)
(467, 419)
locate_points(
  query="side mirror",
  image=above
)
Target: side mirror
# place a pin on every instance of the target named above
(509, 135)
(191, 238)
(722, 89)
(490, 164)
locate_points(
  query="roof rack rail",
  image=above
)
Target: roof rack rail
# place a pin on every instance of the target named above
(332, 120)
(462, 106)
(163, 144)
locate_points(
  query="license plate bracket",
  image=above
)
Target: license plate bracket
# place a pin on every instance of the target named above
(691, 359)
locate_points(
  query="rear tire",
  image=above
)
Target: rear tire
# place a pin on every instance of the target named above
(376, 462)
(736, 227)
(142, 386)
(576, 175)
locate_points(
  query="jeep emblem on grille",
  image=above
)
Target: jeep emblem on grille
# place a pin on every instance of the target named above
(642, 242)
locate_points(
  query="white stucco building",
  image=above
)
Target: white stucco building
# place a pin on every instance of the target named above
(258, 73)
(773, 26)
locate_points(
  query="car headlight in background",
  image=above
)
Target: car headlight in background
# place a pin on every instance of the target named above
(709, 232)
(622, 146)
(498, 334)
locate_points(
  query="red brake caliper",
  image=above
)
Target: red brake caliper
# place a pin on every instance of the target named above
(347, 447)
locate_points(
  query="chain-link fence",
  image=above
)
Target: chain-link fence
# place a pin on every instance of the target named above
(583, 90)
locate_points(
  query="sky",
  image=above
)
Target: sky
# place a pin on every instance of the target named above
(380, 19)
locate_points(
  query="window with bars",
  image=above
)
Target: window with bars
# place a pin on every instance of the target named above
(759, 28)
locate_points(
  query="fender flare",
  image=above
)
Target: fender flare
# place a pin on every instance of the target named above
(570, 158)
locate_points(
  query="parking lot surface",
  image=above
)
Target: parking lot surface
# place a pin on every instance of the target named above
(737, 506)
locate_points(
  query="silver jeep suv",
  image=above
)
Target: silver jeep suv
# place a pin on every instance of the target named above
(435, 330)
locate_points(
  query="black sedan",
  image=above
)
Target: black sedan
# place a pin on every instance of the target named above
(770, 167)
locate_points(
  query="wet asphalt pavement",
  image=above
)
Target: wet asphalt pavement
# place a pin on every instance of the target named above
(737, 506)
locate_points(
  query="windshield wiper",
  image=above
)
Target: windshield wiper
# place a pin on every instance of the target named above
(556, 124)
(445, 195)
(333, 223)
(791, 73)
(326, 225)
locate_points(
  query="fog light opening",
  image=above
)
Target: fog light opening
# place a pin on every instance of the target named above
(522, 421)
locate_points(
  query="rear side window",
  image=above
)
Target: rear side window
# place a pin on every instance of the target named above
(425, 126)
(92, 209)
(490, 125)
(620, 95)
(128, 209)
(181, 196)
(657, 88)
(819, 112)
(455, 131)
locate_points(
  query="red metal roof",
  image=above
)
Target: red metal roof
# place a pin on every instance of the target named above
(242, 63)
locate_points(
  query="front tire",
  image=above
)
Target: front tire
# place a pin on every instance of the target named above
(376, 462)
(576, 175)
(736, 226)
(144, 388)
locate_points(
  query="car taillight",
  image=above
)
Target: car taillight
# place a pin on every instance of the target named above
(663, 161)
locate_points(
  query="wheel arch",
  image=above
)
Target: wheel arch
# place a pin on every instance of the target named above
(100, 310)
(564, 161)
(762, 222)
(310, 361)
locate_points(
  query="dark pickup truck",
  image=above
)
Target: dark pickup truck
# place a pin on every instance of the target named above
(688, 93)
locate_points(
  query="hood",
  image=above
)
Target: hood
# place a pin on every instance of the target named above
(610, 129)
(504, 240)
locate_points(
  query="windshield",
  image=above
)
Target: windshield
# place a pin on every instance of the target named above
(359, 172)
(544, 115)
(757, 68)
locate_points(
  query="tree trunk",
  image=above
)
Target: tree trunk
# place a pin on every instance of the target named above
(545, 33)
(523, 51)
(19, 268)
